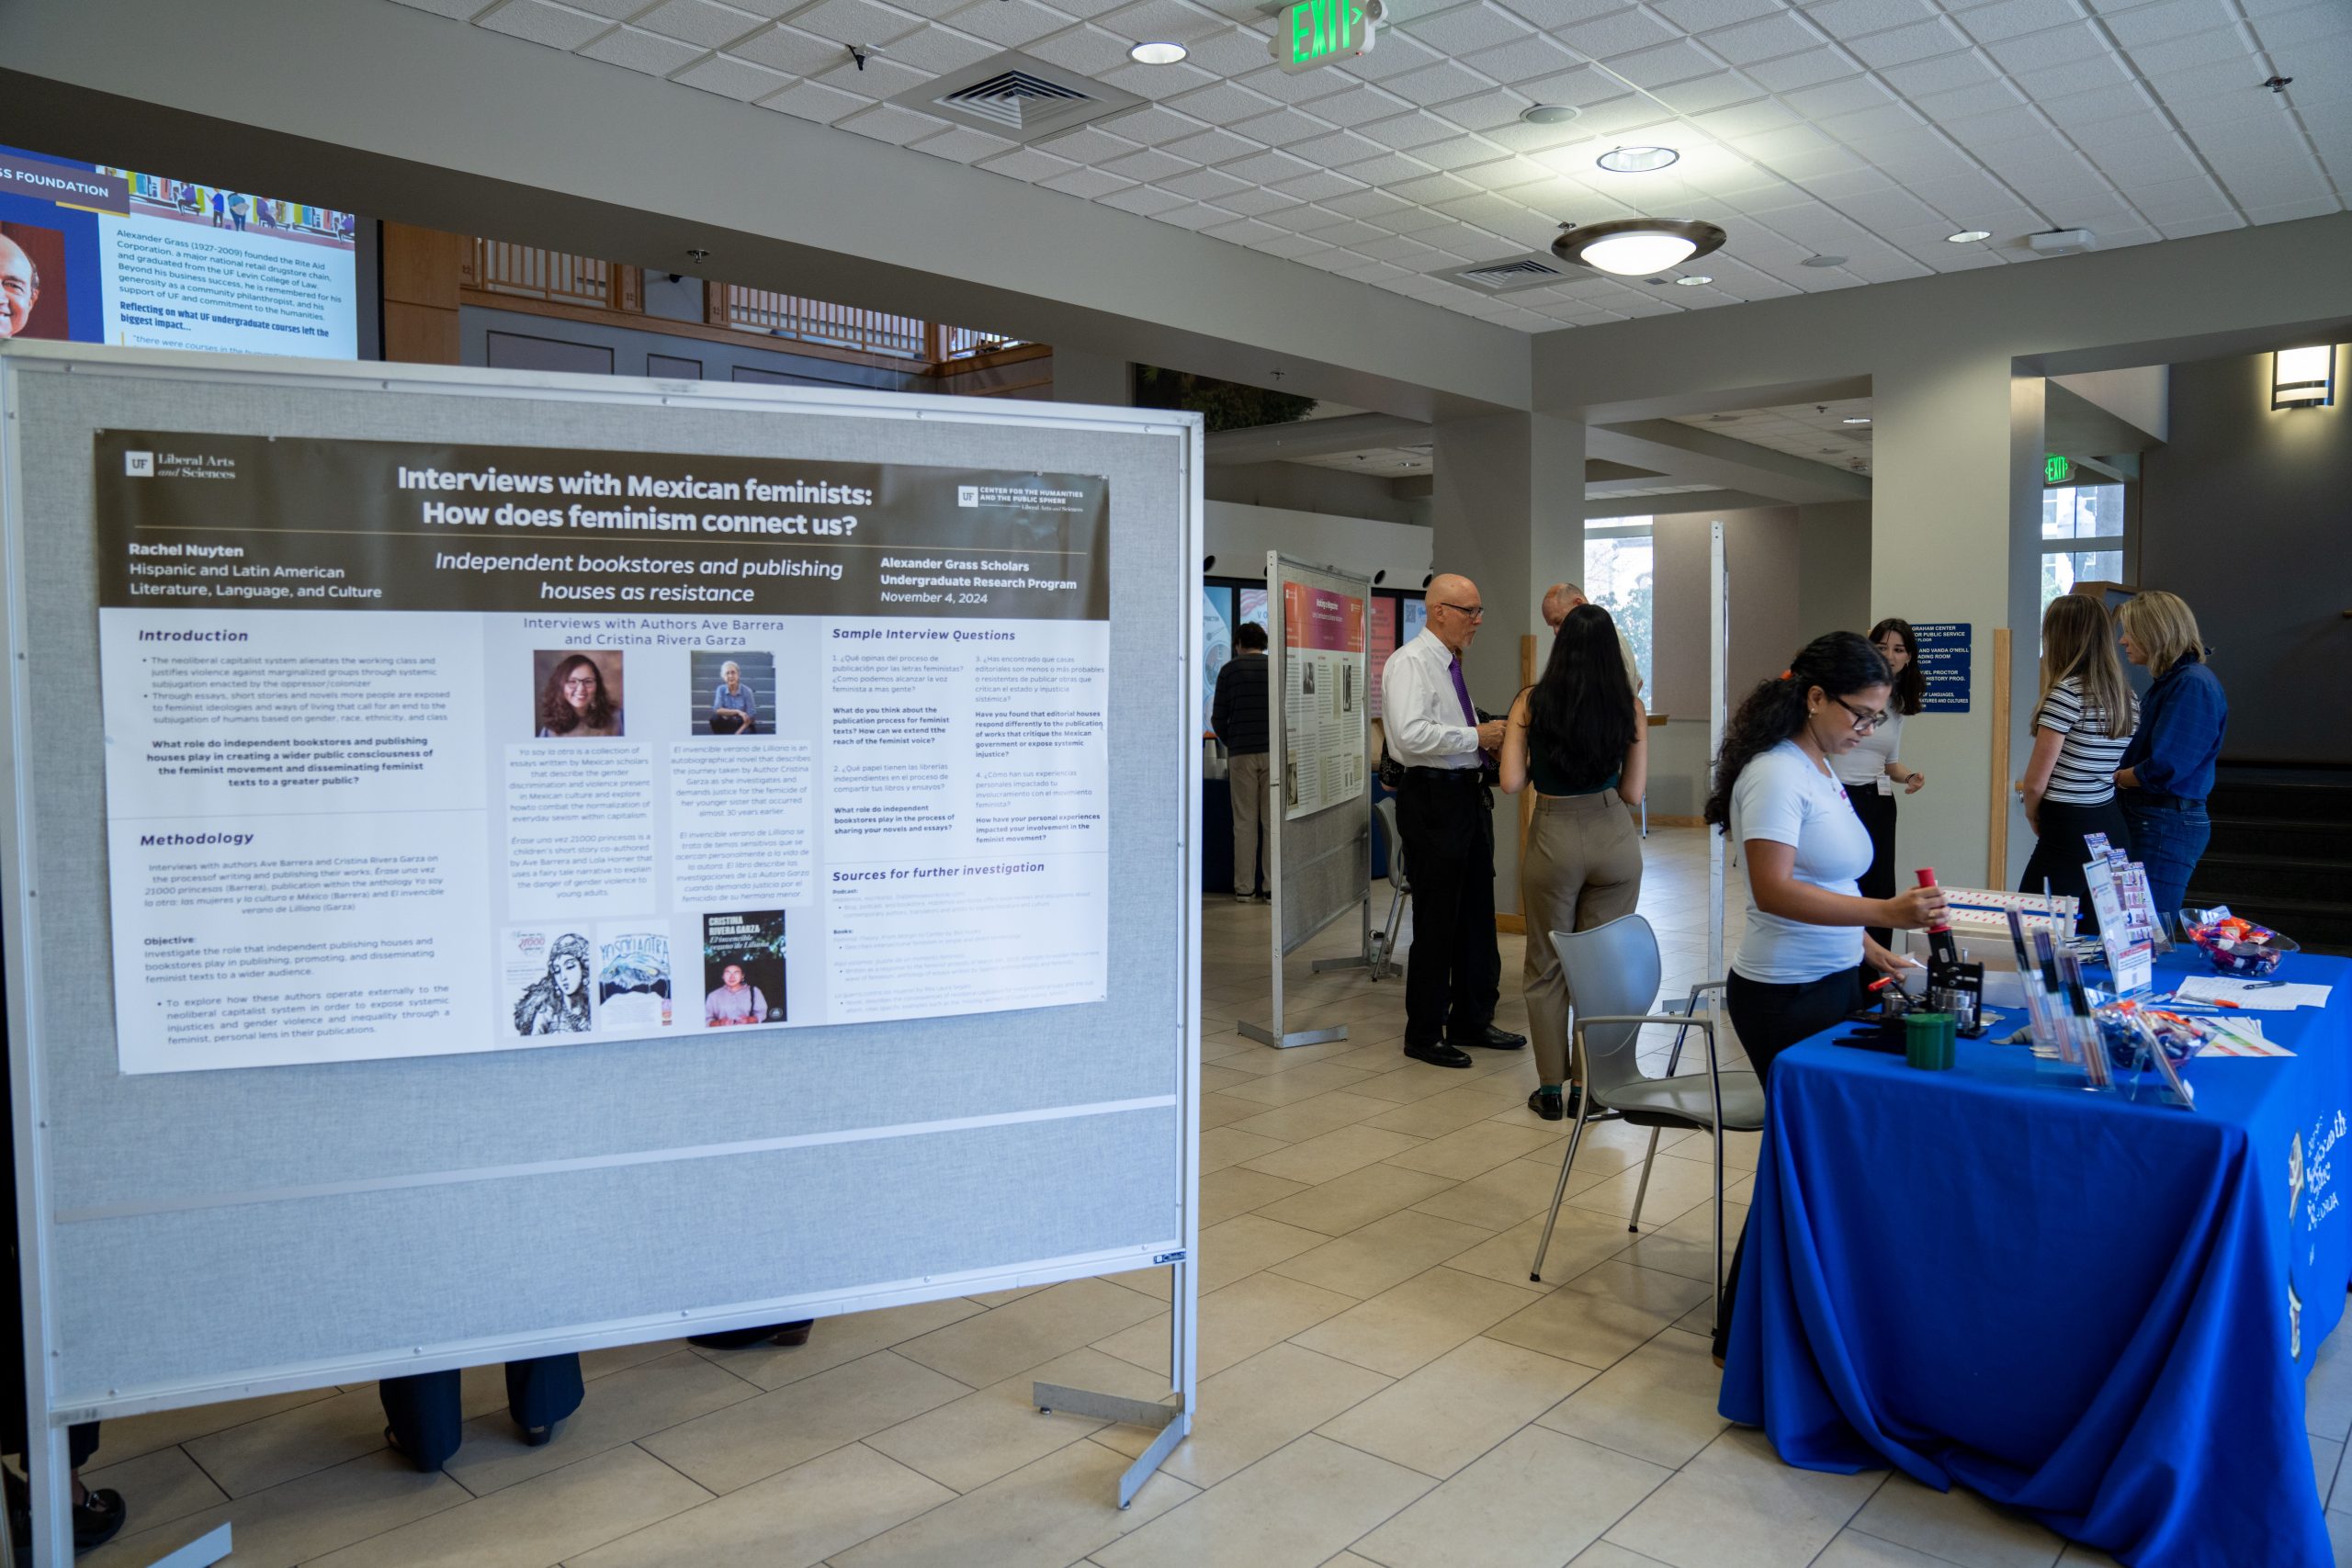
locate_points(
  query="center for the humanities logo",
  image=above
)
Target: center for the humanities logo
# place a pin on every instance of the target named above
(967, 495)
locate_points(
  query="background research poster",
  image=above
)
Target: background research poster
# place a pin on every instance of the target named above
(1324, 701)
(414, 749)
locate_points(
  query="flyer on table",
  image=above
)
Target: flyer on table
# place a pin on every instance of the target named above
(1324, 701)
(422, 748)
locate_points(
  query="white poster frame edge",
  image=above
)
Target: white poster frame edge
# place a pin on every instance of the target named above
(53, 1545)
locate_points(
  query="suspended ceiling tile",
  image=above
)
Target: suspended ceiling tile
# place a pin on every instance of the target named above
(639, 50)
(558, 27)
(809, 101)
(700, 21)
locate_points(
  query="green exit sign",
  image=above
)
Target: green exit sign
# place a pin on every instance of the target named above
(2056, 470)
(1314, 31)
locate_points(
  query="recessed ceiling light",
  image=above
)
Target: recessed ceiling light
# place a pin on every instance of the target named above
(1822, 261)
(1855, 419)
(1692, 280)
(1637, 160)
(1967, 236)
(1635, 247)
(1549, 114)
(1156, 54)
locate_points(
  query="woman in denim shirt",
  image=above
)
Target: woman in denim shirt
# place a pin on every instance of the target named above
(2168, 768)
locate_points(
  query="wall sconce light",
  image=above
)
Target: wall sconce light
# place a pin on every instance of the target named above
(2303, 378)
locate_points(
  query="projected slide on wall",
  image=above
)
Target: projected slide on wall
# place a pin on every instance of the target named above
(93, 254)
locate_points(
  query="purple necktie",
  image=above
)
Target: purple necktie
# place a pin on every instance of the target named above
(1469, 714)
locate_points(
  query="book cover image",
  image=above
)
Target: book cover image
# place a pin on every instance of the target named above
(743, 965)
(633, 976)
(545, 978)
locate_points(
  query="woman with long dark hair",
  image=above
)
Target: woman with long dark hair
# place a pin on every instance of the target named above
(1875, 767)
(574, 702)
(2082, 722)
(1580, 737)
(1804, 957)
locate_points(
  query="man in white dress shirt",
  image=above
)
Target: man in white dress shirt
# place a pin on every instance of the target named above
(1445, 816)
(1562, 597)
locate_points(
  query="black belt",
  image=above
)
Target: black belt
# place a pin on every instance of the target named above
(2162, 802)
(1447, 775)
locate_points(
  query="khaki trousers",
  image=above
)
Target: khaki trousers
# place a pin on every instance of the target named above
(1246, 777)
(1582, 869)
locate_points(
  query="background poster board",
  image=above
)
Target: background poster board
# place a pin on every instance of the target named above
(208, 1235)
(1326, 705)
(381, 714)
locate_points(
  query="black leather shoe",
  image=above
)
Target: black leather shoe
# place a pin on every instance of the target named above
(1491, 1038)
(1547, 1104)
(734, 1338)
(1438, 1053)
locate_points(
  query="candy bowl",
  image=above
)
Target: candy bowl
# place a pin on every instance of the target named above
(2246, 958)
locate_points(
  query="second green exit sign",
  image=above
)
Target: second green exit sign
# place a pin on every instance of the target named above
(1314, 31)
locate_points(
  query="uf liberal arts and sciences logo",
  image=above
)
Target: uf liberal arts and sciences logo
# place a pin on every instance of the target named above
(139, 465)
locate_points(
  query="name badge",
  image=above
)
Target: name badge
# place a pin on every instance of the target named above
(1885, 785)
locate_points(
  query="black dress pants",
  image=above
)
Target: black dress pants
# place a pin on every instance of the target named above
(1453, 971)
(1769, 1019)
(2060, 854)
(428, 1416)
(1877, 812)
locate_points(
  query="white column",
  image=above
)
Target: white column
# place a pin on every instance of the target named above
(1507, 511)
(1955, 526)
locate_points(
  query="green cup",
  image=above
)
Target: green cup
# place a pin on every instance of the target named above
(1928, 1041)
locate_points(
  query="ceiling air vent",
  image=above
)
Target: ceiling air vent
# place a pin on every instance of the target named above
(1013, 95)
(1511, 274)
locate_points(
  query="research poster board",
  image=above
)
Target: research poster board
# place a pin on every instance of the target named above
(402, 756)
(95, 254)
(1324, 701)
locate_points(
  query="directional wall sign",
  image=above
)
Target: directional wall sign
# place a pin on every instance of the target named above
(1944, 650)
(1315, 31)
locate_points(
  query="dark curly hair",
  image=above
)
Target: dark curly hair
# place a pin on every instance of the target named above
(557, 715)
(1580, 714)
(1838, 662)
(1911, 681)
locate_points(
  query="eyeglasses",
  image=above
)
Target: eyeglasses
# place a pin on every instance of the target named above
(580, 683)
(1863, 722)
(1475, 612)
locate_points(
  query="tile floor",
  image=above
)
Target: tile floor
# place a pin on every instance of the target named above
(1381, 1383)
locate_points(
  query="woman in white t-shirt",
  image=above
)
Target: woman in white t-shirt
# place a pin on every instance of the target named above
(1874, 769)
(1803, 960)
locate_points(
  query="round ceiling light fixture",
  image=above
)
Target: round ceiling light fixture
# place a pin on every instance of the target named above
(1822, 261)
(1636, 247)
(1692, 279)
(1549, 114)
(1637, 160)
(1967, 236)
(1156, 54)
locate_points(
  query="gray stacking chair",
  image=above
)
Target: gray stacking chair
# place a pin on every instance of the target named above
(1613, 973)
(1400, 888)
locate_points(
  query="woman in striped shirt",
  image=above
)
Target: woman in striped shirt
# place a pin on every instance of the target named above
(2081, 726)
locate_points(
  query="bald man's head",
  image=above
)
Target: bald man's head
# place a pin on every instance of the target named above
(1558, 600)
(1454, 610)
(19, 287)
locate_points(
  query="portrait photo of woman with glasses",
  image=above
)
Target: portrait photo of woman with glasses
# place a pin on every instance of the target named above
(580, 694)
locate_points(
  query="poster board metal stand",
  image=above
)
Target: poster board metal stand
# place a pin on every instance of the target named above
(1322, 838)
(1718, 654)
(67, 1093)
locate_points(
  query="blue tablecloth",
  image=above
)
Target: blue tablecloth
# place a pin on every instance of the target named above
(2098, 1311)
